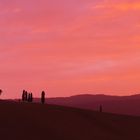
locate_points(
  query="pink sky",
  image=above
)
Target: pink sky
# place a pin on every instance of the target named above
(69, 47)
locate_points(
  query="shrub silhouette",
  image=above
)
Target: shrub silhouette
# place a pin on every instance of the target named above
(43, 97)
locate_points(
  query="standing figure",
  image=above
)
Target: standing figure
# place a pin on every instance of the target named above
(100, 108)
(43, 97)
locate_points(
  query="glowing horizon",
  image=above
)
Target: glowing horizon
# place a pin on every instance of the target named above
(69, 47)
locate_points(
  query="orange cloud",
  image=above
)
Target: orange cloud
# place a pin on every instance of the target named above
(118, 6)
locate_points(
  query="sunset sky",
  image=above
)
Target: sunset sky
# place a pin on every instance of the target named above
(69, 47)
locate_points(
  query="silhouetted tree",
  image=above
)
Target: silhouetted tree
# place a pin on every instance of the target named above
(26, 96)
(23, 95)
(0, 91)
(31, 97)
(101, 108)
(43, 97)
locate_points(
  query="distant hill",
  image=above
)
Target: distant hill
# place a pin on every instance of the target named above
(26, 121)
(129, 105)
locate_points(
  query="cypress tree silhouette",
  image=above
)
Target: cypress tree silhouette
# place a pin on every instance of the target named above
(43, 97)
(23, 95)
(31, 97)
(100, 108)
(26, 96)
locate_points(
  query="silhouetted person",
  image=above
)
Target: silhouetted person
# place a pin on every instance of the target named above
(43, 97)
(100, 108)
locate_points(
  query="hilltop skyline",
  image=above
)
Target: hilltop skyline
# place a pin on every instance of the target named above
(69, 47)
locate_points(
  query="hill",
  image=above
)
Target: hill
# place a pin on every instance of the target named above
(128, 105)
(25, 121)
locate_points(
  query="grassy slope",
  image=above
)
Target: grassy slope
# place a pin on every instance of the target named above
(23, 121)
(128, 105)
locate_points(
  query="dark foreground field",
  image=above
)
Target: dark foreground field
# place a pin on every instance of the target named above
(22, 121)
